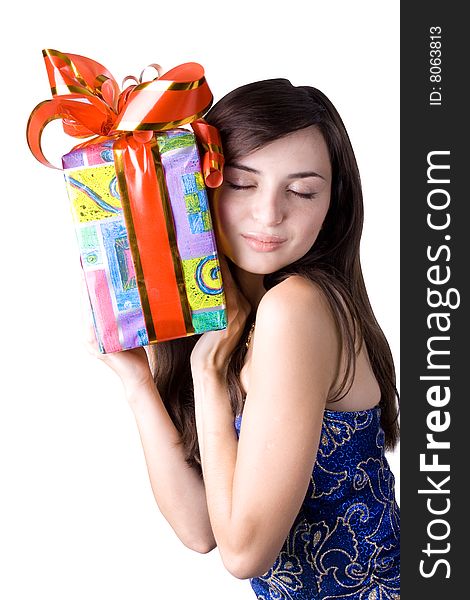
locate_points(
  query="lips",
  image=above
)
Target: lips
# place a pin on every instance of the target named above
(261, 242)
(264, 237)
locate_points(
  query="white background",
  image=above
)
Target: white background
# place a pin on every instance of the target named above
(78, 519)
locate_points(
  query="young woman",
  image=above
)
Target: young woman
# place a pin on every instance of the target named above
(267, 439)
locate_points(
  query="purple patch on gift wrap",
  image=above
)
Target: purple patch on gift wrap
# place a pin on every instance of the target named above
(132, 331)
(72, 160)
(92, 155)
(193, 238)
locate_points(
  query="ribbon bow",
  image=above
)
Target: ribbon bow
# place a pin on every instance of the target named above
(87, 98)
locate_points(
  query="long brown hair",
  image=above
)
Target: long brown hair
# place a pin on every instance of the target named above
(248, 118)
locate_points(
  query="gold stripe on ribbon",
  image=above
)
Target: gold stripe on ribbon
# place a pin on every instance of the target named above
(213, 147)
(139, 273)
(101, 79)
(187, 85)
(70, 89)
(170, 226)
(68, 62)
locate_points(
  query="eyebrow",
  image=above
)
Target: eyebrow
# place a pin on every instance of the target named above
(300, 175)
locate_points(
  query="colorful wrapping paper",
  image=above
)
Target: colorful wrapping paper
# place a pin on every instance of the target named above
(138, 197)
(114, 265)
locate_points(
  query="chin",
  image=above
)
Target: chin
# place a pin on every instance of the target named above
(259, 267)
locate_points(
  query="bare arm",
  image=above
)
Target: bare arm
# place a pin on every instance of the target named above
(255, 487)
(178, 489)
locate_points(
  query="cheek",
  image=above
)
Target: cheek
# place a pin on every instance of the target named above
(225, 218)
(308, 228)
(226, 215)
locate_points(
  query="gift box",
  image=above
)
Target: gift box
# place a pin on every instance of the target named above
(181, 291)
(139, 201)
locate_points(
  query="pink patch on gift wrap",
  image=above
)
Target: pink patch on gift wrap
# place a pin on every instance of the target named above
(103, 310)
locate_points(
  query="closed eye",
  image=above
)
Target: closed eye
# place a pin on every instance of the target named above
(309, 196)
(234, 186)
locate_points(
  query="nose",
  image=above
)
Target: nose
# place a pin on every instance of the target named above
(268, 209)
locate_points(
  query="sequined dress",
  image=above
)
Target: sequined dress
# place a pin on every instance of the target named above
(344, 543)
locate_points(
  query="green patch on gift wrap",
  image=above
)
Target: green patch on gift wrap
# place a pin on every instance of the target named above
(90, 249)
(206, 220)
(192, 203)
(167, 143)
(88, 237)
(205, 321)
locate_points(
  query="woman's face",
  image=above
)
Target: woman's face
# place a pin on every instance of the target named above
(273, 202)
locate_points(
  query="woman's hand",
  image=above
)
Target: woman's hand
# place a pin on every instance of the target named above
(214, 348)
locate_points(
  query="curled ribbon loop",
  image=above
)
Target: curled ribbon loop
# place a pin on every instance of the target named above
(157, 68)
(88, 100)
(130, 78)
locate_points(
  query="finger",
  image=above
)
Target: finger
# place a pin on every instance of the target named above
(89, 341)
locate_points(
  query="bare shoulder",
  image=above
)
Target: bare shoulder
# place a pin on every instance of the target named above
(295, 299)
(294, 319)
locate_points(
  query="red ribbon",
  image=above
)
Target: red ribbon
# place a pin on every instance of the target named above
(87, 99)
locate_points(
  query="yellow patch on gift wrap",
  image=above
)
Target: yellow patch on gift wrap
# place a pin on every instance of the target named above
(93, 193)
(199, 180)
(203, 282)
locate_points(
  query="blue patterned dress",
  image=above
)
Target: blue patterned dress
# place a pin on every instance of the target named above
(344, 543)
